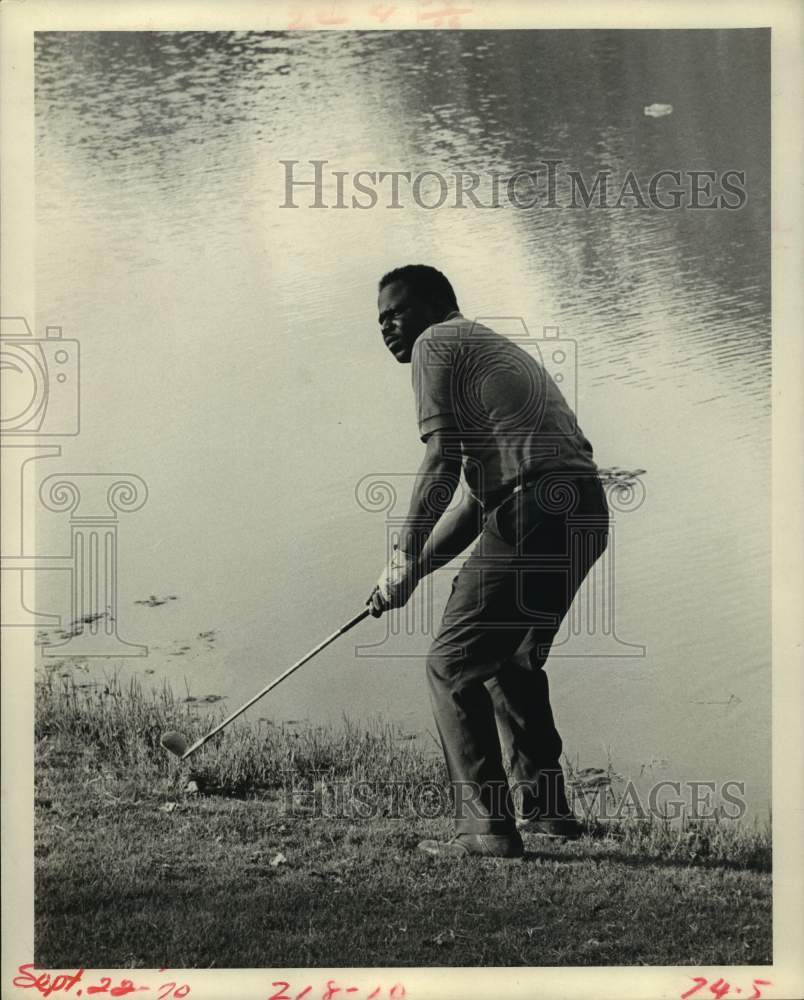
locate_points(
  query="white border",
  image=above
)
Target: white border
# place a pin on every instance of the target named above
(19, 18)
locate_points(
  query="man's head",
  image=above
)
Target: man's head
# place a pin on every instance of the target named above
(411, 299)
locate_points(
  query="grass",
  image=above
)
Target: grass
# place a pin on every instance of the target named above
(264, 855)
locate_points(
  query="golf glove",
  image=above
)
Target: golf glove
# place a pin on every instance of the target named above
(396, 583)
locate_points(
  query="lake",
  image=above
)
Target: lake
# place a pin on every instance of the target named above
(230, 354)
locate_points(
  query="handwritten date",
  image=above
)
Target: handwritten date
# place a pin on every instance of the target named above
(46, 983)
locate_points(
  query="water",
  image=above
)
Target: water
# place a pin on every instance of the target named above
(230, 354)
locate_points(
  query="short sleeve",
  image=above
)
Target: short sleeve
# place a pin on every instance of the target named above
(432, 368)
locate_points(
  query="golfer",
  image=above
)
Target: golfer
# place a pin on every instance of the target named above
(533, 504)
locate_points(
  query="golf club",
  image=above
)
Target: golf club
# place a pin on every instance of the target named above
(178, 744)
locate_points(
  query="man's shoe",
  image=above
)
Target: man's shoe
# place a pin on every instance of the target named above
(485, 845)
(557, 828)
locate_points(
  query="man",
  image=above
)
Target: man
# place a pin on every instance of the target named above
(535, 504)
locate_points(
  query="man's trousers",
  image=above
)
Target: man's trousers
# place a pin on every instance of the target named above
(488, 689)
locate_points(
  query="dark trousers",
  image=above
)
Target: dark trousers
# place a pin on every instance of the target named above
(488, 689)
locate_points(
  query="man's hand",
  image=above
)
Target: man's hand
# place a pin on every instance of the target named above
(396, 583)
(433, 490)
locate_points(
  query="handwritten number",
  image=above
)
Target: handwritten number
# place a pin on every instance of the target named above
(720, 988)
(294, 24)
(103, 988)
(701, 983)
(177, 991)
(382, 12)
(280, 993)
(126, 986)
(397, 991)
(331, 17)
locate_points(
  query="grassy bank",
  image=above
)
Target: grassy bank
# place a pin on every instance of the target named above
(285, 848)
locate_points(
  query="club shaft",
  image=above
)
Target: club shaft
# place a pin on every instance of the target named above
(278, 680)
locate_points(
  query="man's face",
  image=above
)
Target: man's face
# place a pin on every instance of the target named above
(403, 318)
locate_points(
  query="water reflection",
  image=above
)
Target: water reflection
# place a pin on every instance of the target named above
(231, 353)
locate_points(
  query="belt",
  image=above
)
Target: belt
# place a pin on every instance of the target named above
(533, 480)
(492, 504)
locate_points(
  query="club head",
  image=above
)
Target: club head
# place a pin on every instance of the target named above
(175, 743)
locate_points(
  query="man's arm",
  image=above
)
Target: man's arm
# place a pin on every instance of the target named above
(456, 530)
(436, 482)
(422, 550)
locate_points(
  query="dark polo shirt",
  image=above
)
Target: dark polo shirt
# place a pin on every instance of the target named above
(508, 419)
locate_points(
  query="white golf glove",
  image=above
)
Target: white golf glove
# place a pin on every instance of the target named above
(396, 583)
